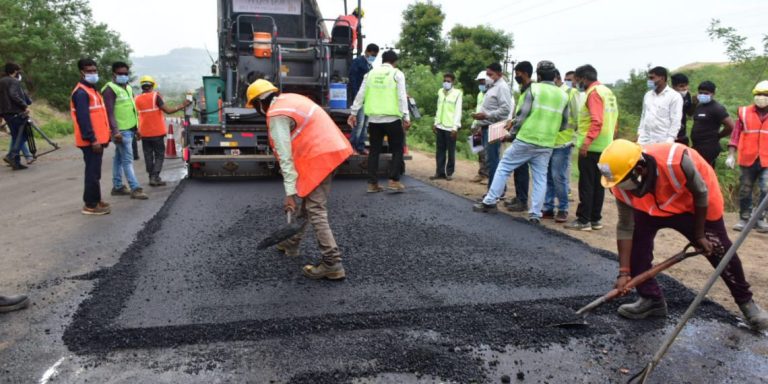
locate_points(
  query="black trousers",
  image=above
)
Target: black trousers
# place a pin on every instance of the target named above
(522, 178)
(92, 190)
(591, 192)
(709, 152)
(135, 145)
(446, 148)
(154, 154)
(396, 138)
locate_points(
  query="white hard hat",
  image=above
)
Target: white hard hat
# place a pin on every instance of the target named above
(481, 76)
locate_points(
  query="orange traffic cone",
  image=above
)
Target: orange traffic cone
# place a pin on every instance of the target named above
(170, 144)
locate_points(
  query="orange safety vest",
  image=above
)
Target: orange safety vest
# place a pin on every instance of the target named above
(671, 197)
(151, 118)
(753, 142)
(99, 118)
(348, 21)
(317, 144)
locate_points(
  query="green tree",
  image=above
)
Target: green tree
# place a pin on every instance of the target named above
(421, 40)
(48, 37)
(471, 49)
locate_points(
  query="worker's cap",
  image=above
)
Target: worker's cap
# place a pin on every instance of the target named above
(147, 80)
(545, 66)
(617, 160)
(761, 88)
(481, 76)
(260, 89)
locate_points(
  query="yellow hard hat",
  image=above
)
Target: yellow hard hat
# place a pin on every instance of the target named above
(761, 88)
(617, 160)
(360, 12)
(260, 88)
(147, 79)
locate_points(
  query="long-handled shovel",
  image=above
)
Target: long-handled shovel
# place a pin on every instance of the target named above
(579, 319)
(283, 233)
(642, 376)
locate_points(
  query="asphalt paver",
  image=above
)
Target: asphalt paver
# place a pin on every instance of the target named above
(434, 293)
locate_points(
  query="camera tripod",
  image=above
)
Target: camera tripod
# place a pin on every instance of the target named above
(29, 129)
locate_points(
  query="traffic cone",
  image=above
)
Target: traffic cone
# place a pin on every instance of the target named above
(170, 144)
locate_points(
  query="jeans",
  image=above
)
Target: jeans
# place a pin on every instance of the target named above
(92, 187)
(516, 156)
(491, 156)
(445, 145)
(154, 154)
(646, 227)
(360, 133)
(591, 191)
(17, 124)
(750, 176)
(24, 150)
(396, 139)
(558, 179)
(123, 163)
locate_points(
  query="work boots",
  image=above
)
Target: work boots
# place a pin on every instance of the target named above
(755, 316)
(374, 188)
(740, 225)
(139, 194)
(123, 191)
(643, 308)
(289, 251)
(395, 186)
(13, 303)
(324, 270)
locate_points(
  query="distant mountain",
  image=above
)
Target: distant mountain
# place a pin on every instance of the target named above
(177, 71)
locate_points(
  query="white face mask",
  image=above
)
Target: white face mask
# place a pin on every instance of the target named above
(569, 83)
(18, 77)
(489, 81)
(761, 101)
(447, 85)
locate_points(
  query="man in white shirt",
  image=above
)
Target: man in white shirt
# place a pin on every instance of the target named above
(662, 110)
(446, 127)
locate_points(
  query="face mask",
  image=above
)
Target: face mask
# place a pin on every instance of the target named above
(371, 59)
(704, 99)
(582, 87)
(122, 79)
(628, 185)
(761, 101)
(519, 79)
(18, 77)
(447, 85)
(683, 93)
(481, 87)
(92, 78)
(569, 83)
(489, 81)
(650, 84)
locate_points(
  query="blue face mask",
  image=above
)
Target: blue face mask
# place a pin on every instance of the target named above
(371, 59)
(704, 99)
(481, 87)
(122, 79)
(581, 87)
(91, 78)
(569, 83)
(651, 84)
(447, 85)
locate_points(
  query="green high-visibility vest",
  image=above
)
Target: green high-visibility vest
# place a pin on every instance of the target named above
(542, 125)
(446, 107)
(610, 117)
(125, 110)
(479, 105)
(566, 136)
(381, 93)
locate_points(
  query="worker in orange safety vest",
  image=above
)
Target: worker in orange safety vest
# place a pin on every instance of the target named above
(309, 147)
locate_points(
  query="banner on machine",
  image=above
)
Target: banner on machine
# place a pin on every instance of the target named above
(277, 7)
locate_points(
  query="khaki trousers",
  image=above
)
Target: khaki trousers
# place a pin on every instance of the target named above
(315, 208)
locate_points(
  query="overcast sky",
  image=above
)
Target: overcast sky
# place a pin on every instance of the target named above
(613, 35)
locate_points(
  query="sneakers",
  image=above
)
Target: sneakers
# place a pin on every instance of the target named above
(18, 166)
(322, 270)
(762, 226)
(30, 160)
(103, 204)
(597, 225)
(755, 316)
(98, 210)
(516, 206)
(395, 186)
(740, 225)
(139, 194)
(547, 214)
(478, 178)
(643, 308)
(156, 181)
(534, 220)
(374, 188)
(485, 208)
(124, 191)
(13, 303)
(578, 226)
(438, 177)
(290, 252)
(561, 217)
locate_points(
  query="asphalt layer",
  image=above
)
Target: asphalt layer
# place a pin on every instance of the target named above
(434, 292)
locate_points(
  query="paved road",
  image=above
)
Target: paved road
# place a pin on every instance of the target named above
(435, 293)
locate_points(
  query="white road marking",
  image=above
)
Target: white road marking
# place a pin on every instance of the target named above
(52, 371)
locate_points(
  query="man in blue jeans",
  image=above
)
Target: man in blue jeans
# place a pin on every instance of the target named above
(14, 110)
(497, 106)
(541, 117)
(123, 119)
(558, 180)
(357, 71)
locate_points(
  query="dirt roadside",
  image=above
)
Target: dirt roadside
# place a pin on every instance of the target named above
(693, 272)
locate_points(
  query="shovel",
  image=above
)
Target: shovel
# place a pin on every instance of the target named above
(283, 233)
(579, 319)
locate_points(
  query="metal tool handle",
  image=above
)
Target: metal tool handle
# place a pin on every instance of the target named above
(288, 216)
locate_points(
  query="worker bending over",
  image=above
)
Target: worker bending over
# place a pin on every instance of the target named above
(309, 147)
(668, 185)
